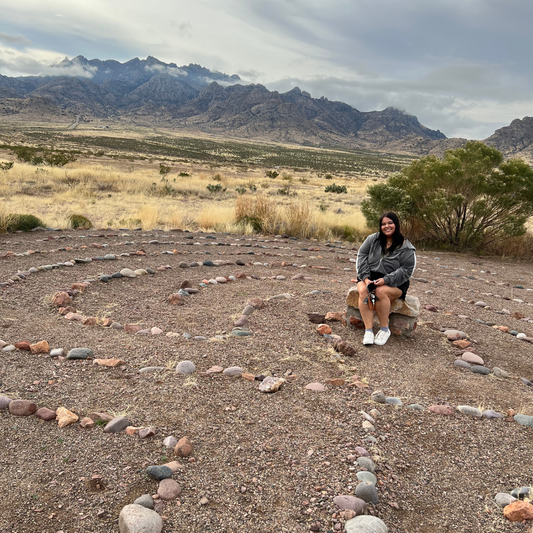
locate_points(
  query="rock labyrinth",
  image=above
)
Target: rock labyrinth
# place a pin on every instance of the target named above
(336, 503)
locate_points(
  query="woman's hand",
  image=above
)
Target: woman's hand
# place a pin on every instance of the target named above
(379, 282)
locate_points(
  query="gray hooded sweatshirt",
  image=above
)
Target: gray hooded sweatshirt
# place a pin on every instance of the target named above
(396, 267)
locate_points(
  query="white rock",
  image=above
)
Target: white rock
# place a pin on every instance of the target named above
(170, 441)
(138, 519)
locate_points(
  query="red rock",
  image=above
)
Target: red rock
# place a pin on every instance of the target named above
(40, 347)
(518, 511)
(357, 322)
(256, 303)
(324, 329)
(132, 328)
(107, 322)
(183, 448)
(78, 286)
(334, 317)
(74, 316)
(109, 362)
(66, 310)
(132, 430)
(185, 284)
(441, 409)
(89, 321)
(61, 299)
(431, 308)
(87, 423)
(316, 387)
(104, 417)
(144, 433)
(335, 382)
(240, 275)
(22, 407)
(248, 377)
(174, 466)
(504, 329)
(462, 343)
(175, 299)
(45, 414)
(216, 369)
(23, 345)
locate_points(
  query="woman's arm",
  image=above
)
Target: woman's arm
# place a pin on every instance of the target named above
(404, 272)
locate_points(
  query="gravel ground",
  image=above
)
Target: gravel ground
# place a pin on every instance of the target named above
(264, 462)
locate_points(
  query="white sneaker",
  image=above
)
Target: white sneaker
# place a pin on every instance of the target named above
(368, 338)
(382, 337)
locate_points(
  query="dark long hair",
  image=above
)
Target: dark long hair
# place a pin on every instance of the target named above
(397, 237)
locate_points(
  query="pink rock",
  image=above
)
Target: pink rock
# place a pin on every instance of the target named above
(4, 402)
(174, 466)
(46, 414)
(61, 299)
(432, 308)
(168, 489)
(156, 331)
(87, 423)
(144, 433)
(3, 344)
(472, 358)
(324, 329)
(89, 321)
(132, 328)
(74, 316)
(175, 299)
(317, 387)
(441, 409)
(183, 448)
(215, 370)
(241, 321)
(22, 407)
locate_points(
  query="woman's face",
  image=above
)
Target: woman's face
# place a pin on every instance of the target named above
(388, 227)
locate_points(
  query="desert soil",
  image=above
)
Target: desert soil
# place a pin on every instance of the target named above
(263, 462)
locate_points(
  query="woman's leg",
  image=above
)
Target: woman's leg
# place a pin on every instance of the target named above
(386, 295)
(366, 314)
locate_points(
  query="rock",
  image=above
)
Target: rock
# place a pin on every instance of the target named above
(491, 414)
(416, 407)
(168, 489)
(499, 373)
(271, 384)
(158, 472)
(462, 364)
(117, 424)
(393, 401)
(256, 303)
(22, 407)
(45, 414)
(56, 352)
(138, 519)
(100, 417)
(128, 273)
(65, 417)
(185, 367)
(9, 348)
(522, 493)
(401, 325)
(152, 369)
(87, 423)
(23, 345)
(170, 441)
(185, 284)
(241, 321)
(362, 451)
(503, 499)
(316, 387)
(215, 370)
(40, 347)
(367, 463)
(518, 511)
(478, 369)
(455, 334)
(174, 466)
(350, 502)
(461, 343)
(4, 402)
(324, 329)
(175, 299)
(145, 500)
(132, 328)
(480, 304)
(111, 363)
(345, 348)
(472, 358)
(80, 353)
(367, 492)
(248, 310)
(378, 397)
(61, 299)
(233, 371)
(365, 524)
(470, 411)
(240, 333)
(335, 382)
(523, 420)
(410, 307)
(441, 409)
(366, 476)
(183, 448)
(89, 321)
(145, 433)
(431, 308)
(74, 316)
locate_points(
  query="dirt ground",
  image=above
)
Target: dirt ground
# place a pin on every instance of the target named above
(264, 462)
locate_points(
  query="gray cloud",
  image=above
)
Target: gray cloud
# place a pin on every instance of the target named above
(25, 65)
(163, 69)
(13, 39)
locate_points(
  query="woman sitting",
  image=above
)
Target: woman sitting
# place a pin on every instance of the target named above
(385, 261)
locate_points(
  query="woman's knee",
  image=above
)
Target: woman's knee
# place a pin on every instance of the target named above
(381, 291)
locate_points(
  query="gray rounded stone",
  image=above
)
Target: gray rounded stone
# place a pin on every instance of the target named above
(461, 364)
(138, 519)
(118, 424)
(478, 369)
(145, 500)
(393, 401)
(365, 524)
(489, 413)
(56, 352)
(240, 333)
(80, 353)
(378, 397)
(185, 367)
(152, 369)
(9, 348)
(365, 462)
(4, 402)
(233, 371)
(499, 373)
(503, 499)
(158, 472)
(415, 407)
(353, 503)
(367, 492)
(470, 411)
(367, 477)
(522, 493)
(524, 420)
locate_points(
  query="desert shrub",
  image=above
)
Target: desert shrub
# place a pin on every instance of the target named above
(20, 222)
(259, 212)
(216, 188)
(164, 169)
(339, 189)
(304, 180)
(57, 159)
(79, 222)
(240, 190)
(468, 199)
(286, 190)
(217, 177)
(328, 176)
(348, 233)
(184, 174)
(272, 174)
(287, 177)
(24, 153)
(7, 165)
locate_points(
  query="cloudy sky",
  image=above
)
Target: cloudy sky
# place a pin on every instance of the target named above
(461, 66)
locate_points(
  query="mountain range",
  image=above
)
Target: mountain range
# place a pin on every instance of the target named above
(194, 97)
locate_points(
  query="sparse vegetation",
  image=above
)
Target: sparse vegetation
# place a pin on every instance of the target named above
(79, 222)
(5, 166)
(12, 222)
(339, 189)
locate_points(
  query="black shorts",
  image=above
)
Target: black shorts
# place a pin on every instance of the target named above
(376, 275)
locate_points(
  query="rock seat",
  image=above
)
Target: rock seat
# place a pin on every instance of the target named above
(402, 319)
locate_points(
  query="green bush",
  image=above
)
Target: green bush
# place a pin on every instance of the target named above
(336, 188)
(164, 169)
(19, 222)
(79, 222)
(216, 188)
(8, 165)
(184, 174)
(271, 174)
(240, 190)
(467, 200)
